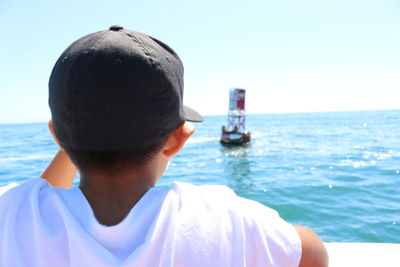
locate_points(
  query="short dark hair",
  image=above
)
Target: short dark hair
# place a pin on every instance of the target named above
(113, 161)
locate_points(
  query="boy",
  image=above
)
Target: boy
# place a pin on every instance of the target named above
(117, 113)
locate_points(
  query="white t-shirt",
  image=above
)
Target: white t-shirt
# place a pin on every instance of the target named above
(184, 225)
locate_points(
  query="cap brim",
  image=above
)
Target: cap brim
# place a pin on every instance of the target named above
(192, 115)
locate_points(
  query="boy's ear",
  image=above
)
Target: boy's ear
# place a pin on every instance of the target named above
(53, 134)
(177, 139)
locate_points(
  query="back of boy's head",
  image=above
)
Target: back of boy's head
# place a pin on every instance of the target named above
(117, 91)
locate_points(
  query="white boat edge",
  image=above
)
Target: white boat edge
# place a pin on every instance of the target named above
(363, 254)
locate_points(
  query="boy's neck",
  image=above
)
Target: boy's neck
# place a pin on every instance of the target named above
(112, 196)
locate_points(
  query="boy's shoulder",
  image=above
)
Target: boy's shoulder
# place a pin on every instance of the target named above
(218, 195)
(220, 198)
(216, 211)
(212, 191)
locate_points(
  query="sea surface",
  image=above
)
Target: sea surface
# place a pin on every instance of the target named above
(337, 173)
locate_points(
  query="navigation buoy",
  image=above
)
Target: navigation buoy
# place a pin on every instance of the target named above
(234, 133)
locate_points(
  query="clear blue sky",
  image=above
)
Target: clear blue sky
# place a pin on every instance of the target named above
(291, 56)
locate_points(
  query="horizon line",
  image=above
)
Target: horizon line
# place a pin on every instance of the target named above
(247, 113)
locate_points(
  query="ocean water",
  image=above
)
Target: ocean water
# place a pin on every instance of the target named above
(337, 173)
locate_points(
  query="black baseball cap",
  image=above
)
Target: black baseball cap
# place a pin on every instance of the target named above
(117, 89)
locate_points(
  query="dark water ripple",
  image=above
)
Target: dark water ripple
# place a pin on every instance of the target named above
(338, 173)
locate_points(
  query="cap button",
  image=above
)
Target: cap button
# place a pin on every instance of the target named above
(116, 28)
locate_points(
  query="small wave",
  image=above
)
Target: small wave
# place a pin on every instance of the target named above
(258, 134)
(380, 155)
(357, 163)
(216, 138)
(24, 158)
(202, 140)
